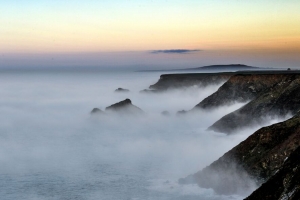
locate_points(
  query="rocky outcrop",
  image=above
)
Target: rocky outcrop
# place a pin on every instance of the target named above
(121, 90)
(176, 81)
(254, 160)
(241, 88)
(124, 107)
(97, 111)
(281, 99)
(285, 184)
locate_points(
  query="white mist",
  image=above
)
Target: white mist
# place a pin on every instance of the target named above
(51, 148)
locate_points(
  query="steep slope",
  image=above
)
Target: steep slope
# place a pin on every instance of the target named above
(285, 184)
(279, 100)
(175, 81)
(254, 160)
(240, 88)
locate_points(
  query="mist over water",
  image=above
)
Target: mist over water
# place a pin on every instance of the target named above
(52, 148)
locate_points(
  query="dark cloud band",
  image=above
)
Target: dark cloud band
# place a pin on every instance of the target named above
(175, 51)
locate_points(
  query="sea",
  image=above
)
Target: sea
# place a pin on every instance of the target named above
(52, 148)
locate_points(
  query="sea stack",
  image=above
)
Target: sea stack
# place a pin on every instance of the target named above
(124, 107)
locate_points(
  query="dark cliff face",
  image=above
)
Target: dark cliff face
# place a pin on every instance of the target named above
(124, 107)
(176, 81)
(255, 159)
(281, 99)
(240, 88)
(285, 184)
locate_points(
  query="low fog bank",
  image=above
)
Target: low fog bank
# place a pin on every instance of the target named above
(51, 145)
(145, 60)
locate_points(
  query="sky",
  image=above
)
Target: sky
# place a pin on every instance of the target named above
(89, 26)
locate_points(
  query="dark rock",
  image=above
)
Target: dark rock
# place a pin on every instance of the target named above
(97, 111)
(281, 99)
(257, 158)
(121, 90)
(285, 184)
(177, 81)
(200, 80)
(125, 107)
(240, 88)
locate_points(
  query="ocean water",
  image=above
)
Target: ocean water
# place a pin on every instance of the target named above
(51, 148)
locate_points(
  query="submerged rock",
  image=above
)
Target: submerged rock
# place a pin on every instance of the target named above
(124, 107)
(181, 112)
(122, 90)
(165, 113)
(97, 111)
(253, 161)
(149, 91)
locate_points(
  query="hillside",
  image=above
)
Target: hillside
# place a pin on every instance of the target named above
(251, 162)
(279, 100)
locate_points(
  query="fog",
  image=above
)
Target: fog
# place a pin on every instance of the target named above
(52, 148)
(146, 60)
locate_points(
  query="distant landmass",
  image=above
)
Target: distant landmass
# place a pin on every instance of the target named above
(219, 68)
(236, 67)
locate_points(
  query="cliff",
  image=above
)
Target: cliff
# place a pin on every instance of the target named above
(241, 88)
(125, 107)
(280, 99)
(285, 184)
(251, 162)
(176, 81)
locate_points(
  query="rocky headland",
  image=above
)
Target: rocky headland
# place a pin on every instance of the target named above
(252, 162)
(241, 88)
(178, 81)
(282, 98)
(269, 158)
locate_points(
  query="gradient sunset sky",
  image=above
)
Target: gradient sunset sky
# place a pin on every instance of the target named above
(65, 26)
(118, 25)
